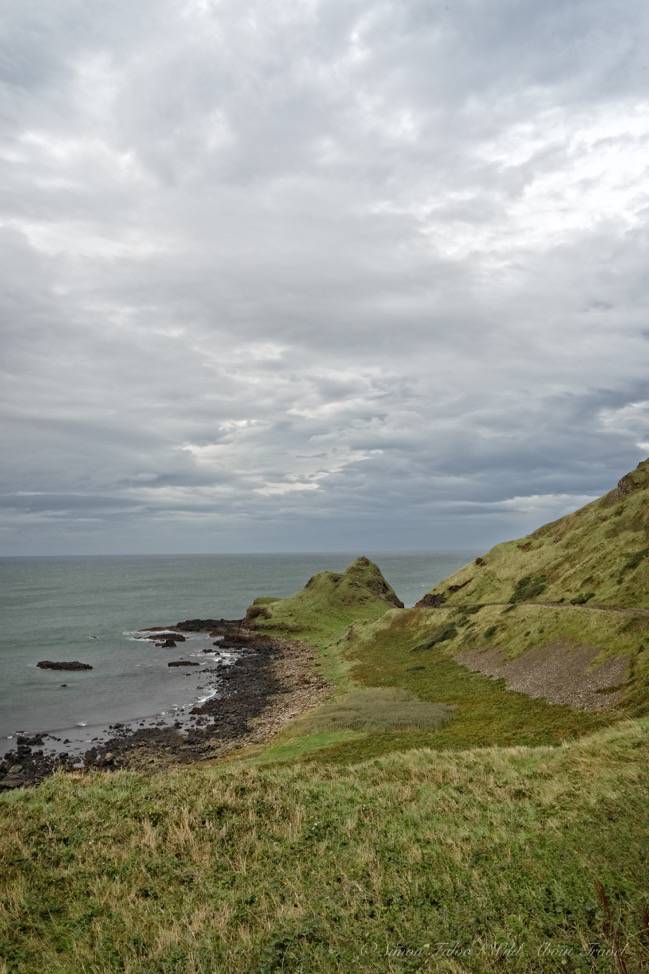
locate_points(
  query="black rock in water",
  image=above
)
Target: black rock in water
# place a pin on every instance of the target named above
(48, 664)
(204, 625)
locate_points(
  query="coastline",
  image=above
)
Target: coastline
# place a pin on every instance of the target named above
(268, 683)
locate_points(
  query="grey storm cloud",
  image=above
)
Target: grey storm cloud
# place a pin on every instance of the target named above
(318, 274)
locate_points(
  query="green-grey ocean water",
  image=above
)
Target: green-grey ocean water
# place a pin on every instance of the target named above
(83, 609)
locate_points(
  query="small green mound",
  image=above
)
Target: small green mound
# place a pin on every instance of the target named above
(259, 608)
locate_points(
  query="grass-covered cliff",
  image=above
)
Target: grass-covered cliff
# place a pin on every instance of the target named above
(562, 614)
(598, 554)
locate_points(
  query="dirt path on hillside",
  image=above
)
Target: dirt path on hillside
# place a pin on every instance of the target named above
(593, 607)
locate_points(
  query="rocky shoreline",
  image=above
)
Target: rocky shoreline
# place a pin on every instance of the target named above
(268, 683)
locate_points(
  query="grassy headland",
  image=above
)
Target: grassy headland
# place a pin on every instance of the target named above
(327, 605)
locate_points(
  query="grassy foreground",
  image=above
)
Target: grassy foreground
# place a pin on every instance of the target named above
(485, 860)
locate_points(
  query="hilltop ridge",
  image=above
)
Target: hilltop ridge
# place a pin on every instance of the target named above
(598, 554)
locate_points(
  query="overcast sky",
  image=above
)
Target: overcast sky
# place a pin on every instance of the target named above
(319, 274)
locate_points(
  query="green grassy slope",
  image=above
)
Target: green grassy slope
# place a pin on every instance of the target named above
(599, 554)
(516, 861)
(572, 596)
(388, 695)
(400, 688)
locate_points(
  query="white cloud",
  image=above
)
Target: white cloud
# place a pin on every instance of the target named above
(630, 420)
(335, 271)
(288, 487)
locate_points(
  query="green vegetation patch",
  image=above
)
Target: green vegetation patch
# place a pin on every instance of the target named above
(485, 713)
(528, 588)
(376, 709)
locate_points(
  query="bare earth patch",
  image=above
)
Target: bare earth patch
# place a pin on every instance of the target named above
(561, 673)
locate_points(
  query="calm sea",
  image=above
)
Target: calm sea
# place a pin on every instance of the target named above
(84, 609)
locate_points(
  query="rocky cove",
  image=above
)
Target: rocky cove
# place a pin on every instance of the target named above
(265, 683)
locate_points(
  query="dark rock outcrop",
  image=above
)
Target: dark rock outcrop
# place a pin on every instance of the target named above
(431, 601)
(456, 588)
(162, 634)
(205, 625)
(182, 662)
(48, 664)
(637, 479)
